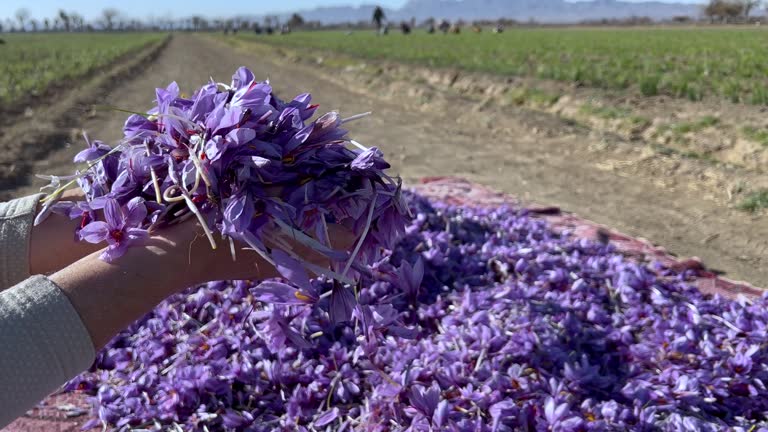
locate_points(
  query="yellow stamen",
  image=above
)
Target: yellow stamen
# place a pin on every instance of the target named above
(301, 296)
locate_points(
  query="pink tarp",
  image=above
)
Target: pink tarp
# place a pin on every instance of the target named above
(68, 412)
(462, 192)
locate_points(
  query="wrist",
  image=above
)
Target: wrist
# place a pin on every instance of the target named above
(163, 263)
(110, 296)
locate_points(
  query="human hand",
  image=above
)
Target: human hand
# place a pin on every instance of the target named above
(53, 245)
(196, 262)
(110, 295)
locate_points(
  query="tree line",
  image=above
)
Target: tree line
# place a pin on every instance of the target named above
(730, 10)
(112, 19)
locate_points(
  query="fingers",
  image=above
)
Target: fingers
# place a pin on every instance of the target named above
(206, 264)
(74, 194)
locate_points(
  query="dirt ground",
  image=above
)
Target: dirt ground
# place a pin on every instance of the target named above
(533, 154)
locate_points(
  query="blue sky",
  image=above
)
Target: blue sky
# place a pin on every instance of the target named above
(179, 8)
(174, 8)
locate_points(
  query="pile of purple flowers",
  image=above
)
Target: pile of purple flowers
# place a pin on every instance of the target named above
(475, 320)
(251, 168)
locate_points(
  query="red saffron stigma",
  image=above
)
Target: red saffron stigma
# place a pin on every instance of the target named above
(117, 235)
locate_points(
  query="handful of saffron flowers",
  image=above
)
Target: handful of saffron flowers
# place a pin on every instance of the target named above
(251, 168)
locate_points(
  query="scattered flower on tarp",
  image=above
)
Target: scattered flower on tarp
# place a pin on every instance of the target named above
(475, 320)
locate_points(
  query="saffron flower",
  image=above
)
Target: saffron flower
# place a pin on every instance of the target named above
(120, 228)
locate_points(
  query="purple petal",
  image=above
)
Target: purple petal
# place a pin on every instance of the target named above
(327, 417)
(230, 117)
(425, 401)
(290, 268)
(95, 232)
(91, 424)
(136, 123)
(215, 147)
(417, 274)
(388, 389)
(296, 339)
(253, 95)
(114, 251)
(136, 233)
(440, 416)
(137, 212)
(95, 150)
(65, 208)
(364, 313)
(242, 77)
(236, 420)
(402, 332)
(280, 293)
(343, 302)
(241, 136)
(497, 410)
(239, 213)
(366, 160)
(98, 203)
(260, 162)
(113, 214)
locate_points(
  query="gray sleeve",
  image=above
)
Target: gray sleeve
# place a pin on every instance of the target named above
(44, 344)
(16, 218)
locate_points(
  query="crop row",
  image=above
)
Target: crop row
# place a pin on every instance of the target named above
(688, 63)
(30, 63)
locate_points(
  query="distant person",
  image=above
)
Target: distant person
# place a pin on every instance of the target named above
(456, 28)
(431, 28)
(498, 29)
(270, 30)
(378, 18)
(444, 26)
(405, 28)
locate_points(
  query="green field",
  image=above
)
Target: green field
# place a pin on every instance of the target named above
(29, 63)
(689, 63)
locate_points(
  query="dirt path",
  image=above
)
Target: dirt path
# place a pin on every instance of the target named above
(504, 152)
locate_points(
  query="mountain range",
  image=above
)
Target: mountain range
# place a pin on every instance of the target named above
(543, 11)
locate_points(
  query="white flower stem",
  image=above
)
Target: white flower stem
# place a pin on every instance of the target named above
(158, 194)
(363, 236)
(73, 181)
(358, 145)
(232, 249)
(171, 199)
(200, 217)
(356, 117)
